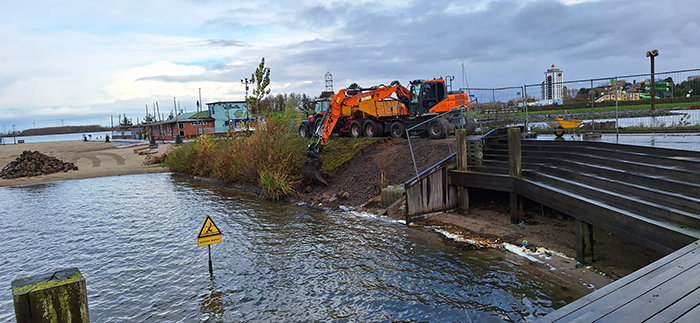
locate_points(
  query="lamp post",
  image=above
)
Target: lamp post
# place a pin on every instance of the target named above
(199, 105)
(246, 81)
(651, 54)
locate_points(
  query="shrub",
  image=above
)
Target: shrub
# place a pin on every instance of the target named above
(270, 157)
(275, 185)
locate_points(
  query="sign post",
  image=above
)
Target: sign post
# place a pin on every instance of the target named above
(209, 234)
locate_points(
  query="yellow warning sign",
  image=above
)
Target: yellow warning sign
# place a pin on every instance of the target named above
(209, 234)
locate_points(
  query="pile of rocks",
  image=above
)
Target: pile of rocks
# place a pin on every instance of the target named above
(34, 164)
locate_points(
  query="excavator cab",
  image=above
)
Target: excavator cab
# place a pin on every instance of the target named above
(425, 95)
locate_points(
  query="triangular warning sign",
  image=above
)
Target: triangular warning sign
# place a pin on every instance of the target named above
(209, 229)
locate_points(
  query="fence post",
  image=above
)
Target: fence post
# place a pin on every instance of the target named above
(527, 129)
(592, 105)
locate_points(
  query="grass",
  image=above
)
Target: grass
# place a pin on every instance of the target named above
(338, 151)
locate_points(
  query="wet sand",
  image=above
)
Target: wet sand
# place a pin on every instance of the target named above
(93, 158)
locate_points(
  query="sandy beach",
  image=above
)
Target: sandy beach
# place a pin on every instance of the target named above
(93, 158)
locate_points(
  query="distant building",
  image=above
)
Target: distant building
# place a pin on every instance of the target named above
(552, 87)
(693, 78)
(227, 114)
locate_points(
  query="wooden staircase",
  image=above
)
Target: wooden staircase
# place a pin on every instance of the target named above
(648, 195)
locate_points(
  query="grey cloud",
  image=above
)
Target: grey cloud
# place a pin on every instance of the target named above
(222, 43)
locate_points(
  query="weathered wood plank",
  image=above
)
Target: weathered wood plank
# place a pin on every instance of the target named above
(593, 306)
(679, 308)
(690, 316)
(658, 299)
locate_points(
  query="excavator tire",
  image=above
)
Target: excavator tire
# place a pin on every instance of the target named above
(312, 169)
(438, 129)
(373, 129)
(397, 129)
(355, 129)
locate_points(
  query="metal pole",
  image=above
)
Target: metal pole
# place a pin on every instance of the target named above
(411, 149)
(617, 114)
(526, 112)
(651, 54)
(199, 106)
(211, 270)
(592, 95)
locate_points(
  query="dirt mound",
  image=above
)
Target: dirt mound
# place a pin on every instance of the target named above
(389, 163)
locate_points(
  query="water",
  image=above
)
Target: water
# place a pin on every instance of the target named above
(134, 240)
(60, 137)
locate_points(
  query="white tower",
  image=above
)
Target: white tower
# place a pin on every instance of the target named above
(553, 86)
(329, 82)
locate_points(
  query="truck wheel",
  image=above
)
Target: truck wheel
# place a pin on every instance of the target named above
(397, 129)
(373, 129)
(437, 129)
(355, 129)
(303, 131)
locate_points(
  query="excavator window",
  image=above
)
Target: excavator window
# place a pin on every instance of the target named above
(428, 96)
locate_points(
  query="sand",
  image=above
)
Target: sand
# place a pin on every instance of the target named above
(93, 158)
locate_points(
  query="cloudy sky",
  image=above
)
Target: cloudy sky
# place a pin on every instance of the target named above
(81, 62)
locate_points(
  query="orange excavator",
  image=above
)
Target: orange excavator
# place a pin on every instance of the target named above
(381, 110)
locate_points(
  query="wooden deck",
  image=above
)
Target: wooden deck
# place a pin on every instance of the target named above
(667, 290)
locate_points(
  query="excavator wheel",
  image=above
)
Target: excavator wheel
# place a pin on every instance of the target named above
(312, 169)
(355, 129)
(397, 129)
(438, 128)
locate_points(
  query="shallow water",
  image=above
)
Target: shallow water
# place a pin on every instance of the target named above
(134, 240)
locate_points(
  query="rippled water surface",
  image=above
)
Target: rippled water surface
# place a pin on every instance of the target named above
(134, 240)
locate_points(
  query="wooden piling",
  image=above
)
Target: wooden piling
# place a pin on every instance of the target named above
(515, 155)
(56, 297)
(462, 192)
(584, 242)
(515, 170)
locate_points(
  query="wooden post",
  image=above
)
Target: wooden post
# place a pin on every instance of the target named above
(584, 242)
(514, 153)
(515, 170)
(462, 192)
(54, 297)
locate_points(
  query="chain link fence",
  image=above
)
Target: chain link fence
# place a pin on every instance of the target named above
(610, 102)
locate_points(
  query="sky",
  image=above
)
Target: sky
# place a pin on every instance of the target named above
(85, 62)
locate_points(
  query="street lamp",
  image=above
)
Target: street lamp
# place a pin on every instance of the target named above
(651, 54)
(246, 81)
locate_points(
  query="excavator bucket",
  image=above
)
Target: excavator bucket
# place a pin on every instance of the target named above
(312, 169)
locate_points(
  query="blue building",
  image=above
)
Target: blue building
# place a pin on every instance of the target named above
(227, 114)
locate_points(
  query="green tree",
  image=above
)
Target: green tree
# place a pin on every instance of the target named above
(353, 89)
(261, 80)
